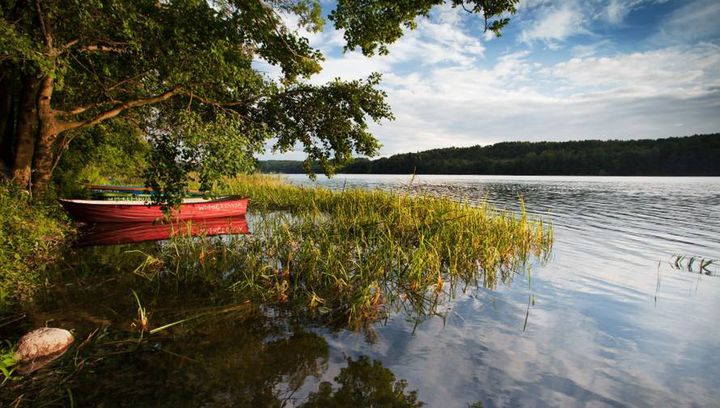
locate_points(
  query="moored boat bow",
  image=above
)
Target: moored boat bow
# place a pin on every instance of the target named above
(99, 211)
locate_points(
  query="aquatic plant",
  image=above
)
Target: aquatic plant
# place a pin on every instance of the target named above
(695, 264)
(142, 322)
(350, 257)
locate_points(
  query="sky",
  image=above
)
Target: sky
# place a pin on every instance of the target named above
(562, 70)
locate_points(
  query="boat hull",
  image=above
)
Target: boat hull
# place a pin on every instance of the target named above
(96, 211)
(116, 233)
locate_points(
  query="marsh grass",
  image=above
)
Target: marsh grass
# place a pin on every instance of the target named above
(349, 257)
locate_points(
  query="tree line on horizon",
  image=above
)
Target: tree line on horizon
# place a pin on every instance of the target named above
(697, 155)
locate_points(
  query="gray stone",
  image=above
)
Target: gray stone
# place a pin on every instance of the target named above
(41, 346)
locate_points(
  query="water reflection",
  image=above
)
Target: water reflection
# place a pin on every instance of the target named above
(614, 324)
(247, 359)
(222, 354)
(124, 233)
(611, 324)
(364, 383)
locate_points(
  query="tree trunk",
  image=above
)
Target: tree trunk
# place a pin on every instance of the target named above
(6, 124)
(25, 132)
(48, 130)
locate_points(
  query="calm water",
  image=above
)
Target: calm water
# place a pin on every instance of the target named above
(610, 327)
(613, 324)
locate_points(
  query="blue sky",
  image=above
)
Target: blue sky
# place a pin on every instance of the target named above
(563, 70)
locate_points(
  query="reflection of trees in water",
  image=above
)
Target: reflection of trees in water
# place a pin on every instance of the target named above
(246, 362)
(364, 383)
(234, 355)
(239, 365)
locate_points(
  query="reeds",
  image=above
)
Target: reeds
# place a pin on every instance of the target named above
(350, 257)
(694, 264)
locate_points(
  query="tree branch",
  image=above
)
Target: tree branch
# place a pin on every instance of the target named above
(126, 80)
(80, 109)
(46, 33)
(100, 48)
(67, 46)
(111, 113)
(224, 106)
(213, 102)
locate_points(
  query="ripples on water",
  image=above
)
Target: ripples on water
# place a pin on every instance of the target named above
(613, 323)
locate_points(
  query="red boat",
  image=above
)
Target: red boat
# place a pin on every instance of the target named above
(100, 211)
(116, 233)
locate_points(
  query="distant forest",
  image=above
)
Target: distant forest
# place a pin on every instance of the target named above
(697, 155)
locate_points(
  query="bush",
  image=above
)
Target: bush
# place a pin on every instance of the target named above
(31, 237)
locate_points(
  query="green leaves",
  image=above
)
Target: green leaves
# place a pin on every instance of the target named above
(18, 48)
(187, 144)
(7, 361)
(184, 70)
(328, 121)
(372, 25)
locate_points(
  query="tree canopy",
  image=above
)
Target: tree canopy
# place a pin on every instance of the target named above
(182, 72)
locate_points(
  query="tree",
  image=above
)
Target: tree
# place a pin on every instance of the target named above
(182, 70)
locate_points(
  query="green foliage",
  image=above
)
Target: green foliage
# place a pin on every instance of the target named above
(372, 25)
(7, 361)
(187, 145)
(680, 156)
(284, 166)
(31, 236)
(113, 152)
(183, 70)
(18, 48)
(334, 114)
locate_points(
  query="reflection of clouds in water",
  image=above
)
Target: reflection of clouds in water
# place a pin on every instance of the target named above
(596, 336)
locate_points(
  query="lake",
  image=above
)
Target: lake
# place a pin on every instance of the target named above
(607, 320)
(613, 323)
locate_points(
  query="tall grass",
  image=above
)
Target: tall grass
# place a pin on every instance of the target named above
(352, 256)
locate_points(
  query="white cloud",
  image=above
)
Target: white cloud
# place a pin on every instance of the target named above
(683, 72)
(445, 93)
(696, 20)
(635, 95)
(586, 50)
(440, 40)
(555, 23)
(616, 11)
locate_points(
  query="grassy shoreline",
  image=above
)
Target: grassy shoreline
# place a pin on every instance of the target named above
(343, 257)
(32, 237)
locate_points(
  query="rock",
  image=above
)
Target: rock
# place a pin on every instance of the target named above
(41, 346)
